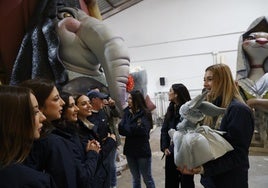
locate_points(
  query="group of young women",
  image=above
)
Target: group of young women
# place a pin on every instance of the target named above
(46, 139)
(62, 148)
(53, 146)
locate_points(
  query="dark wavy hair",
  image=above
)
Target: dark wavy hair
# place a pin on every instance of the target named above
(63, 123)
(183, 96)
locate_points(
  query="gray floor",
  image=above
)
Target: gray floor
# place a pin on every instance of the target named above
(258, 173)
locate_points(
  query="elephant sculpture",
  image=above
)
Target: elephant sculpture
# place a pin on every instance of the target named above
(88, 47)
(63, 43)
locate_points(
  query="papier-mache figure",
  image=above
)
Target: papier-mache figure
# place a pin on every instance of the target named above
(195, 145)
(140, 81)
(62, 40)
(89, 48)
(252, 71)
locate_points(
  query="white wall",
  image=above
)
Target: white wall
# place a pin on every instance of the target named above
(178, 39)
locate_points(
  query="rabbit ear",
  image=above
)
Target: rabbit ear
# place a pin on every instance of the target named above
(210, 109)
(195, 102)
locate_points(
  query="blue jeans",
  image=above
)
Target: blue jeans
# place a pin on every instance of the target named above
(138, 167)
(113, 176)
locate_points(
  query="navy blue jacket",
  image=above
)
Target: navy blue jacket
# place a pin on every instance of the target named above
(231, 170)
(102, 173)
(100, 120)
(88, 134)
(53, 155)
(21, 176)
(86, 162)
(136, 128)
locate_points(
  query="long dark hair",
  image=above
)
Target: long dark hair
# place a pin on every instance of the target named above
(41, 88)
(139, 104)
(63, 123)
(16, 124)
(183, 96)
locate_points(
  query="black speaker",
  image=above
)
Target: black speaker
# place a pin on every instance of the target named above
(162, 81)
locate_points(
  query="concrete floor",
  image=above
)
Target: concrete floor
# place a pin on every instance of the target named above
(258, 172)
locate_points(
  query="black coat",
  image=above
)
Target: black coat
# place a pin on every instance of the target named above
(53, 155)
(231, 170)
(21, 176)
(88, 134)
(101, 124)
(169, 123)
(136, 128)
(101, 177)
(58, 155)
(86, 162)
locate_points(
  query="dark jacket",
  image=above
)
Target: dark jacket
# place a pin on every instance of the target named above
(170, 122)
(86, 162)
(101, 177)
(112, 114)
(21, 176)
(88, 134)
(53, 155)
(231, 170)
(136, 128)
(100, 120)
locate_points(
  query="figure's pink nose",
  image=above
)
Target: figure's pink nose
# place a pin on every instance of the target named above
(261, 40)
(70, 24)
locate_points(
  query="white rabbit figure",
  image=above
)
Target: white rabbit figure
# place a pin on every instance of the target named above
(195, 145)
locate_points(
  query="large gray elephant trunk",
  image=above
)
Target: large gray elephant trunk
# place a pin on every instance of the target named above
(117, 70)
(93, 45)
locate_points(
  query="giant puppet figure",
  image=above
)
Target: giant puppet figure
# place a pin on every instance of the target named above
(62, 40)
(252, 71)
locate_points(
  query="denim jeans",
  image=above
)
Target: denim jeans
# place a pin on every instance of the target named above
(138, 167)
(113, 176)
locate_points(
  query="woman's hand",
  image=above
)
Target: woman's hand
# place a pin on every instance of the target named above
(196, 170)
(93, 145)
(167, 152)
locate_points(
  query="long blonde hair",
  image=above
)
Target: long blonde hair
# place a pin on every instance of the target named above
(225, 87)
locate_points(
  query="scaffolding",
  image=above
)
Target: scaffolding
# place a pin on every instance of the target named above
(161, 101)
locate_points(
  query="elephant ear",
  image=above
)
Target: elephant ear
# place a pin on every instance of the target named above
(210, 109)
(195, 102)
(189, 108)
